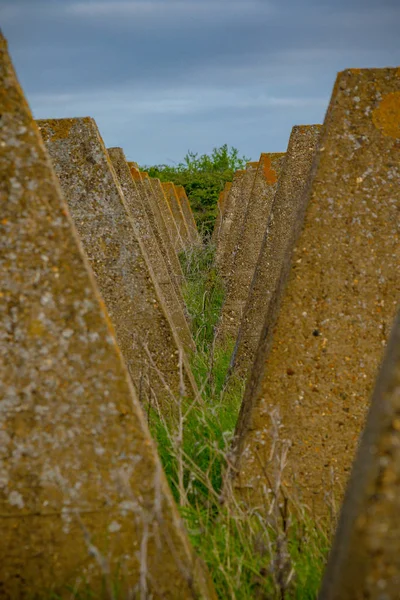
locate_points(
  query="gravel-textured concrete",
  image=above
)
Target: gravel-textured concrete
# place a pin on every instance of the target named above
(314, 373)
(80, 480)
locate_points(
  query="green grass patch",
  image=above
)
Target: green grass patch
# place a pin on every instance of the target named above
(248, 555)
(203, 293)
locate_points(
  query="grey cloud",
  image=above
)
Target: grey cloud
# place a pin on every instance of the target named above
(182, 74)
(95, 45)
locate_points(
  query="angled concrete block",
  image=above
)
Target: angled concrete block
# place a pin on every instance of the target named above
(229, 213)
(165, 210)
(172, 297)
(249, 244)
(318, 360)
(145, 332)
(82, 492)
(365, 560)
(218, 218)
(177, 212)
(277, 243)
(238, 215)
(188, 214)
(219, 221)
(149, 194)
(166, 219)
(173, 218)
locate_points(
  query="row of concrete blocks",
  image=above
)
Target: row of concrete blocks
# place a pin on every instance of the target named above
(132, 229)
(308, 245)
(92, 329)
(81, 488)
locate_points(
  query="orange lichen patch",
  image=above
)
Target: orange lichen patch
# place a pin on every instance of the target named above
(180, 193)
(180, 190)
(63, 127)
(136, 176)
(386, 116)
(270, 174)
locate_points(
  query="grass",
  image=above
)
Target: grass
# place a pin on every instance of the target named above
(271, 555)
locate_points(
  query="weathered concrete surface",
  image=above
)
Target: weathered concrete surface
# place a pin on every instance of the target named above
(77, 465)
(249, 242)
(188, 214)
(238, 215)
(177, 213)
(277, 243)
(166, 213)
(187, 230)
(149, 194)
(314, 376)
(165, 217)
(365, 558)
(229, 212)
(145, 333)
(177, 230)
(218, 219)
(220, 215)
(136, 209)
(161, 205)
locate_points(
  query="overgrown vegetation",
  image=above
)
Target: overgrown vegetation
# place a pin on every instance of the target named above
(258, 555)
(269, 555)
(203, 178)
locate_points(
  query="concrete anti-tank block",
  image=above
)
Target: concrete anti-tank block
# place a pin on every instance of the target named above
(133, 201)
(314, 374)
(365, 560)
(145, 333)
(249, 241)
(82, 493)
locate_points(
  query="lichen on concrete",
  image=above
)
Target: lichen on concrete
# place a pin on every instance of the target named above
(218, 225)
(249, 241)
(144, 329)
(173, 299)
(229, 214)
(188, 214)
(172, 217)
(365, 561)
(150, 191)
(319, 361)
(277, 239)
(82, 493)
(177, 212)
(240, 196)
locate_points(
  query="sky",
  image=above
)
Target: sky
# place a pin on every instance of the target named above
(162, 77)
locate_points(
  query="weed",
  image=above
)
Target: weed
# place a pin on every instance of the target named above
(268, 554)
(273, 553)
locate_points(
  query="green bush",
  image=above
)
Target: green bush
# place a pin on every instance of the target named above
(203, 178)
